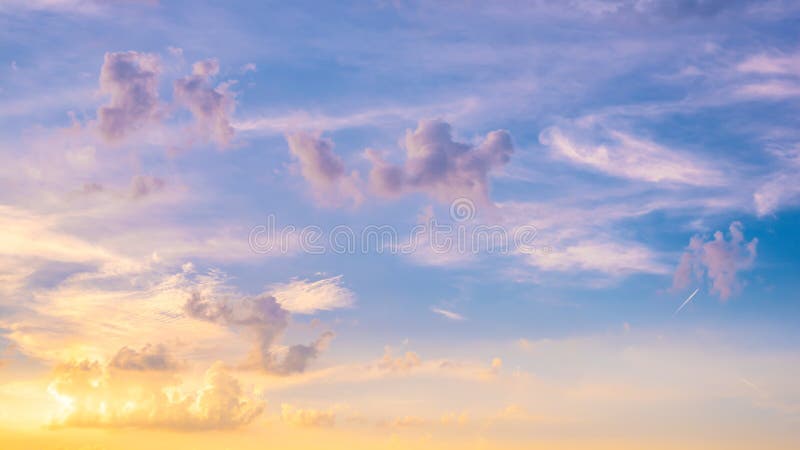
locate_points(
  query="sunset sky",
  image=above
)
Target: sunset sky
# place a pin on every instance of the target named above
(399, 224)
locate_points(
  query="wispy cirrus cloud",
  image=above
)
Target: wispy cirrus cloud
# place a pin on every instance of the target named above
(447, 314)
(626, 156)
(615, 258)
(307, 297)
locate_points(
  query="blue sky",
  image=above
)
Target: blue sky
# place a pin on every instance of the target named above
(651, 144)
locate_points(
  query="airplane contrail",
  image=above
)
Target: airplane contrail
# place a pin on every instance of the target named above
(685, 302)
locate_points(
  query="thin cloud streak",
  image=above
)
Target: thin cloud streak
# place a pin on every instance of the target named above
(448, 314)
(686, 302)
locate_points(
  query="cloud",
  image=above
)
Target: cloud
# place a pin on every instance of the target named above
(626, 156)
(144, 185)
(771, 64)
(265, 320)
(296, 358)
(688, 8)
(37, 236)
(400, 364)
(439, 166)
(771, 89)
(782, 189)
(98, 396)
(210, 106)
(307, 417)
(89, 7)
(719, 260)
(609, 257)
(130, 79)
(308, 297)
(150, 357)
(447, 314)
(770, 76)
(324, 170)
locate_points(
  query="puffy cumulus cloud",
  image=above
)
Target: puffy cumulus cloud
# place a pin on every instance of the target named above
(130, 79)
(439, 166)
(324, 170)
(626, 156)
(719, 260)
(211, 106)
(295, 359)
(95, 395)
(308, 297)
(265, 320)
(305, 417)
(150, 357)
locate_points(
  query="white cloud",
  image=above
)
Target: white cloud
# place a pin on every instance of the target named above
(98, 396)
(772, 89)
(780, 190)
(626, 156)
(308, 297)
(614, 258)
(771, 64)
(448, 314)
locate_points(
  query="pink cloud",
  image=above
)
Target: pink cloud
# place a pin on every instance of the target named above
(718, 259)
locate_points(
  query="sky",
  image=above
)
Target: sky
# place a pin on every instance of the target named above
(399, 224)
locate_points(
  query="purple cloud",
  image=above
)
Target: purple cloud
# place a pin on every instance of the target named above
(130, 79)
(144, 185)
(439, 166)
(210, 106)
(324, 170)
(265, 319)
